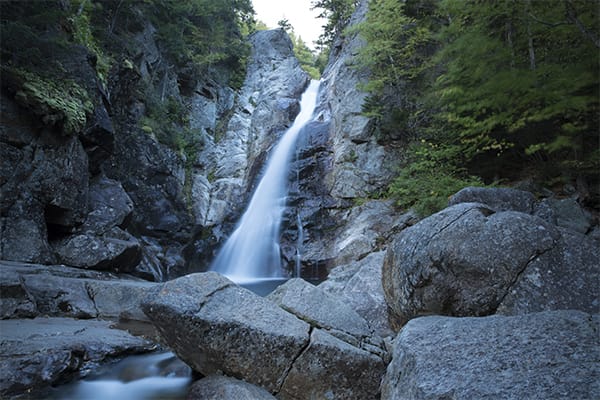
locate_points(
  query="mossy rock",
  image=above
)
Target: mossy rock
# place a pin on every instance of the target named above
(59, 103)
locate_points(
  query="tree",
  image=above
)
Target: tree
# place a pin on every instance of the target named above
(337, 13)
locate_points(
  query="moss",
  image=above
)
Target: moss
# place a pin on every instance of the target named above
(62, 103)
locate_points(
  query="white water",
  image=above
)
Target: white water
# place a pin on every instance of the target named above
(252, 251)
(144, 377)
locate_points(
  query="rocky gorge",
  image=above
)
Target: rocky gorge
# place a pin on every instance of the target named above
(106, 235)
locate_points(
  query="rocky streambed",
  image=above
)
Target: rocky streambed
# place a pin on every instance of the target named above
(494, 297)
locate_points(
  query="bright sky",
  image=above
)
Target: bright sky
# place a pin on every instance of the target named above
(297, 12)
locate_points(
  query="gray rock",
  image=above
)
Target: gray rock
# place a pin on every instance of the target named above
(109, 205)
(216, 326)
(566, 213)
(359, 284)
(116, 250)
(497, 199)
(565, 277)
(312, 304)
(466, 260)
(548, 355)
(37, 353)
(218, 387)
(29, 290)
(462, 260)
(332, 369)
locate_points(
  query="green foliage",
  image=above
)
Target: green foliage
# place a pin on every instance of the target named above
(337, 13)
(83, 34)
(305, 56)
(429, 179)
(64, 104)
(501, 90)
(200, 34)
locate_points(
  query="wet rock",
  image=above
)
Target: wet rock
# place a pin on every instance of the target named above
(546, 355)
(216, 326)
(40, 352)
(218, 387)
(498, 199)
(465, 260)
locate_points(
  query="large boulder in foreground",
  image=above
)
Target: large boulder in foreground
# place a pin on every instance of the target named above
(547, 355)
(218, 327)
(37, 353)
(467, 260)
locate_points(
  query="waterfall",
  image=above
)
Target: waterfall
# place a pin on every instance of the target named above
(252, 251)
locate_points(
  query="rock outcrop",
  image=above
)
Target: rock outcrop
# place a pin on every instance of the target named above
(219, 327)
(471, 260)
(547, 355)
(30, 290)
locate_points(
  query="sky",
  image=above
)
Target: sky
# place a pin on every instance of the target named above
(297, 12)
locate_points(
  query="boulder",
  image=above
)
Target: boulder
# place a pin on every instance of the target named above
(565, 277)
(498, 199)
(109, 205)
(40, 352)
(332, 314)
(359, 285)
(116, 250)
(566, 213)
(547, 355)
(218, 387)
(464, 260)
(216, 326)
(330, 368)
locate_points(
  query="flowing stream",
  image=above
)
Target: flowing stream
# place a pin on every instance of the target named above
(251, 254)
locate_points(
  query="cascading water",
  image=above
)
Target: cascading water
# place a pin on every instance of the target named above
(252, 251)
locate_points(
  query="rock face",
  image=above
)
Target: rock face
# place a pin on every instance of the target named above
(469, 260)
(339, 163)
(37, 353)
(236, 150)
(218, 327)
(547, 355)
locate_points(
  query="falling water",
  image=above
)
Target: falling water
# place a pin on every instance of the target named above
(252, 251)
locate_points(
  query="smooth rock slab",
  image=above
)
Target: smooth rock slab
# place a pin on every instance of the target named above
(42, 351)
(218, 387)
(216, 326)
(547, 355)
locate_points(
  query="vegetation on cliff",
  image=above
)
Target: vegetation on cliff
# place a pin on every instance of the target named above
(486, 91)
